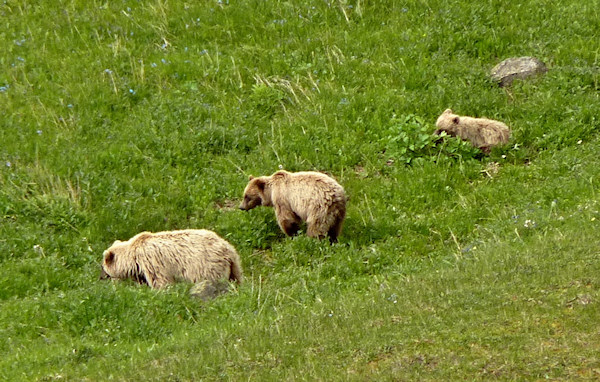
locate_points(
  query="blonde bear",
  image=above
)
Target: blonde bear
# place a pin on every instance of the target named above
(483, 133)
(309, 196)
(162, 258)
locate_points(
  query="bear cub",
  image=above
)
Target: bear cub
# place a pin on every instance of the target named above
(483, 133)
(307, 196)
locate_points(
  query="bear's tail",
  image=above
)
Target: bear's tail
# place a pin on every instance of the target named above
(235, 273)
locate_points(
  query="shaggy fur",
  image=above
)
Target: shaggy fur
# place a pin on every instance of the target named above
(312, 197)
(162, 258)
(481, 132)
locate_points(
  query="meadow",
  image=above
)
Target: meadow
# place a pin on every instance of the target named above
(129, 116)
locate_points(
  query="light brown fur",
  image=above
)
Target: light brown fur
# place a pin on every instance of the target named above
(308, 196)
(481, 132)
(162, 258)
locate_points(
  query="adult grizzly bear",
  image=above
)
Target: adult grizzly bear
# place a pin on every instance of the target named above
(483, 133)
(308, 196)
(161, 258)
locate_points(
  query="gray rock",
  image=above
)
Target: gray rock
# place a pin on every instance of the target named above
(517, 67)
(207, 290)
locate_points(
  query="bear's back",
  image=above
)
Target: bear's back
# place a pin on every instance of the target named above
(307, 192)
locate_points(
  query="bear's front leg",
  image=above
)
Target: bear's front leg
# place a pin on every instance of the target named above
(288, 221)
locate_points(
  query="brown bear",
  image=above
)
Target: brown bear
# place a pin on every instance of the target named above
(308, 196)
(483, 133)
(161, 258)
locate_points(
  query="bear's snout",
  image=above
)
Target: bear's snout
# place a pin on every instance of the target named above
(104, 275)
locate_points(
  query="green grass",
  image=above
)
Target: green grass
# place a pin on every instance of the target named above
(126, 116)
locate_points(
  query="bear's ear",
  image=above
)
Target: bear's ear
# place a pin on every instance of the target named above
(260, 183)
(448, 111)
(250, 177)
(456, 120)
(109, 258)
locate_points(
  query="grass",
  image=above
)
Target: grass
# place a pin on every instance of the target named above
(128, 116)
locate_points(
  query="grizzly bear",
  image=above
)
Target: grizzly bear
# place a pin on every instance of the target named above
(161, 258)
(308, 196)
(483, 133)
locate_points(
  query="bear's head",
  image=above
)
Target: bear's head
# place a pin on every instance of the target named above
(255, 193)
(119, 262)
(447, 122)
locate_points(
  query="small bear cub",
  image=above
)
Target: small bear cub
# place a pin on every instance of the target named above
(483, 133)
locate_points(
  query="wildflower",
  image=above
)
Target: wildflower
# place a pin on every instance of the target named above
(468, 248)
(153, 65)
(70, 106)
(529, 224)
(3, 88)
(132, 92)
(108, 71)
(8, 164)
(39, 132)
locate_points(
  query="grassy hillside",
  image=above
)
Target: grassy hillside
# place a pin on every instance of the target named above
(126, 116)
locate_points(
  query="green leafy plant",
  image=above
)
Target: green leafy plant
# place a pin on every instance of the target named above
(409, 139)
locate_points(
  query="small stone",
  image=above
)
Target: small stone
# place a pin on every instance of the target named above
(207, 290)
(516, 68)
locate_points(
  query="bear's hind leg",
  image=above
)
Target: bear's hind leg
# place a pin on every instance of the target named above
(333, 234)
(336, 228)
